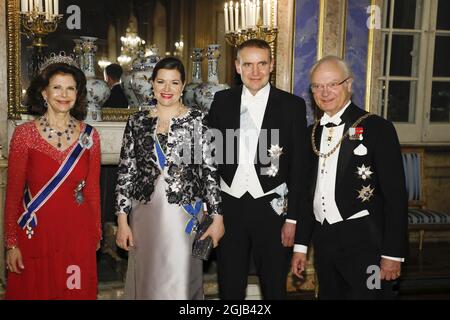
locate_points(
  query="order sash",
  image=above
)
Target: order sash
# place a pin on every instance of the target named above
(28, 218)
(192, 210)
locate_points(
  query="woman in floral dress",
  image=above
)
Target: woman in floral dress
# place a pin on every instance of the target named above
(166, 173)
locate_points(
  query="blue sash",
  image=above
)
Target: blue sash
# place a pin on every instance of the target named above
(28, 219)
(192, 210)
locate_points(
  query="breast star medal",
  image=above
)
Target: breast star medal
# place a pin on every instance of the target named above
(272, 171)
(275, 151)
(364, 172)
(365, 193)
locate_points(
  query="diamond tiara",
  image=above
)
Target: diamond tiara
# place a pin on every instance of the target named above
(60, 58)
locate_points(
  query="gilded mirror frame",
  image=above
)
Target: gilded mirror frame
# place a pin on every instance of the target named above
(15, 108)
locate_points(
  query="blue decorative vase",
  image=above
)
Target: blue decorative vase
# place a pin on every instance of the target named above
(97, 89)
(188, 94)
(204, 93)
(141, 73)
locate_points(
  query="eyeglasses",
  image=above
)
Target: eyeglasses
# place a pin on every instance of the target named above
(315, 87)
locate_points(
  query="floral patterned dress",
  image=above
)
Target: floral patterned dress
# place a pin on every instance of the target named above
(160, 265)
(60, 257)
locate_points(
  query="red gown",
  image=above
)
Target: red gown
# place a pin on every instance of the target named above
(60, 258)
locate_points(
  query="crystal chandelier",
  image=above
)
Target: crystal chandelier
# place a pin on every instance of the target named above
(179, 45)
(132, 45)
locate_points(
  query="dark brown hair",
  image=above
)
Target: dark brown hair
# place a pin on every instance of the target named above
(35, 101)
(114, 71)
(170, 63)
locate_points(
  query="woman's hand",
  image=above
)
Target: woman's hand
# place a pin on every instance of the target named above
(216, 230)
(14, 262)
(124, 236)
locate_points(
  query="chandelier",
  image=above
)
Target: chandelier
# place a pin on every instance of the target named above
(179, 45)
(252, 19)
(132, 45)
(249, 20)
(103, 63)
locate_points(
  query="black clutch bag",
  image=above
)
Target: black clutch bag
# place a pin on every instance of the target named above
(201, 249)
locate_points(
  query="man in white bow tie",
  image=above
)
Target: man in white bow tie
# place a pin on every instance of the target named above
(266, 124)
(357, 220)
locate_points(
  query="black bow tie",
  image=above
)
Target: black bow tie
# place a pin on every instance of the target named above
(331, 124)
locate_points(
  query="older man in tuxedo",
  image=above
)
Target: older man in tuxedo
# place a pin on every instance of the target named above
(358, 216)
(263, 166)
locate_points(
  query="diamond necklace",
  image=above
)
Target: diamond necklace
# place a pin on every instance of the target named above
(52, 133)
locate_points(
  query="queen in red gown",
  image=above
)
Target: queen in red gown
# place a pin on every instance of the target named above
(57, 258)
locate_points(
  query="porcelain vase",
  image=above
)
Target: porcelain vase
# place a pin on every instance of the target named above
(204, 93)
(141, 73)
(97, 89)
(189, 89)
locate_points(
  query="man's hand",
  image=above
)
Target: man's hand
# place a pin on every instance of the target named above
(390, 269)
(287, 234)
(298, 264)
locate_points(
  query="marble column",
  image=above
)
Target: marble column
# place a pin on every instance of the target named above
(285, 43)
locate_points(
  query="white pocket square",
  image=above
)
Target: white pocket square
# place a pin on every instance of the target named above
(360, 214)
(360, 150)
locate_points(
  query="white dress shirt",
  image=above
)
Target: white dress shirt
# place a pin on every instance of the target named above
(246, 178)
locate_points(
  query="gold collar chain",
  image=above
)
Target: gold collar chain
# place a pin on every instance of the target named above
(345, 135)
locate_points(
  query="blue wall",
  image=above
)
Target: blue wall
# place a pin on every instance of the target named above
(305, 47)
(356, 47)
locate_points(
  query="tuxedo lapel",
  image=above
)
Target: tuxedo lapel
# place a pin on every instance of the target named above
(345, 153)
(234, 115)
(271, 115)
(233, 122)
(271, 120)
(315, 160)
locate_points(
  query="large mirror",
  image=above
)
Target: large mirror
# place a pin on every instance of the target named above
(161, 24)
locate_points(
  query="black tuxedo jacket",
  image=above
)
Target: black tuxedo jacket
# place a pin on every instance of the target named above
(117, 98)
(285, 112)
(388, 206)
